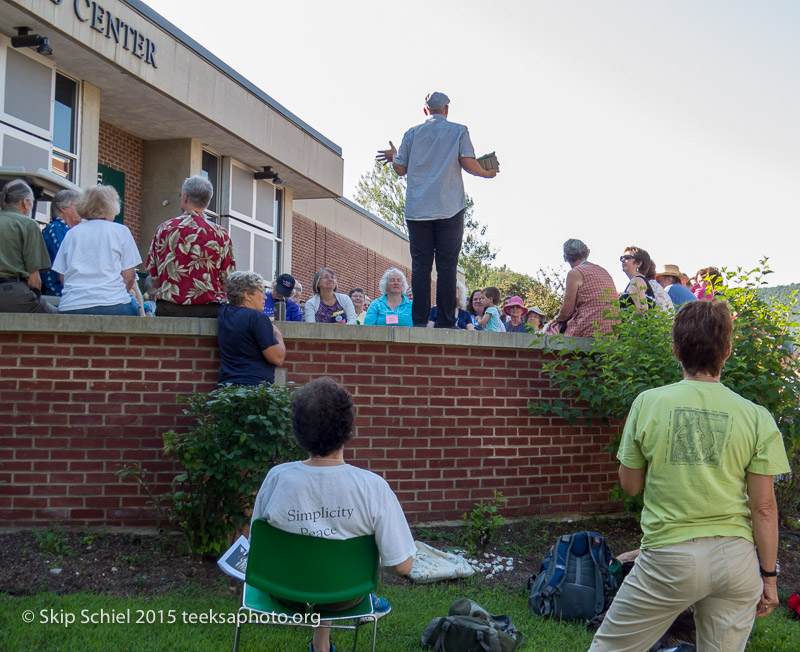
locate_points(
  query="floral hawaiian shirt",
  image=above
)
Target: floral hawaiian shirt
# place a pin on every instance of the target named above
(190, 258)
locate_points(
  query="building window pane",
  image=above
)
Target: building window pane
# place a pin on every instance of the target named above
(278, 213)
(63, 166)
(211, 172)
(65, 112)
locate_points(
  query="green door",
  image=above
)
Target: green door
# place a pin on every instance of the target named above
(111, 177)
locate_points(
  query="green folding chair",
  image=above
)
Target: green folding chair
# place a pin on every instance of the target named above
(312, 571)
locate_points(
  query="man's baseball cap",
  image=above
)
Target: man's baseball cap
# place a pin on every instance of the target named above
(285, 284)
(436, 101)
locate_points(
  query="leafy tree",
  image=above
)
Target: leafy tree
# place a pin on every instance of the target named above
(602, 384)
(546, 290)
(382, 192)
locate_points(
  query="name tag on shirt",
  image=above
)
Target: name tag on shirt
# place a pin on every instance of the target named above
(391, 319)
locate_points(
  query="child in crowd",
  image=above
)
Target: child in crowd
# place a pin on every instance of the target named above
(490, 320)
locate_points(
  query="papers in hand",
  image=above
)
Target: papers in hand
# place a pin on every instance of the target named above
(489, 162)
(234, 561)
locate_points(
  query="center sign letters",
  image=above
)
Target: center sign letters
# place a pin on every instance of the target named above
(103, 21)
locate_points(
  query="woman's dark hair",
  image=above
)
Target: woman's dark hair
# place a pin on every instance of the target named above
(646, 264)
(710, 274)
(322, 416)
(470, 309)
(701, 335)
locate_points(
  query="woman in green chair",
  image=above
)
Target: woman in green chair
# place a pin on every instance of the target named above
(323, 496)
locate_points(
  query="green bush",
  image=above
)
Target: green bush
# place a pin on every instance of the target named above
(483, 521)
(239, 433)
(600, 386)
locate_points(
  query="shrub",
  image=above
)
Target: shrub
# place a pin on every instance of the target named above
(600, 386)
(239, 433)
(483, 521)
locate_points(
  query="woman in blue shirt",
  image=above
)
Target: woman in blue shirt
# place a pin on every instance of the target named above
(393, 308)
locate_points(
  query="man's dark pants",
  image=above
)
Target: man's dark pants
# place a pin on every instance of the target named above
(439, 240)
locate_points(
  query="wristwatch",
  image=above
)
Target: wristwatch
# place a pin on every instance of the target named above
(774, 573)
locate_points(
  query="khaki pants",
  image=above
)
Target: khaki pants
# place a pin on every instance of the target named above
(718, 575)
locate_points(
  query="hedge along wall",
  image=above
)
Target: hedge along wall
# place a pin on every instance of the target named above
(442, 415)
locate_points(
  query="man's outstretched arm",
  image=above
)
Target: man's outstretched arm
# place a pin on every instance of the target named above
(472, 166)
(387, 156)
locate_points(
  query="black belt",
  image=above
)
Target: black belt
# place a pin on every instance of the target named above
(10, 279)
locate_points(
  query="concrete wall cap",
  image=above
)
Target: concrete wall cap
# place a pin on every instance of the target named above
(183, 326)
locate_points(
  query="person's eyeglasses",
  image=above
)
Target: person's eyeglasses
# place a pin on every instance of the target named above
(326, 277)
(622, 259)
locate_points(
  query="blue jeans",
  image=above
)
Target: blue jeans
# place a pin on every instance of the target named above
(439, 240)
(123, 309)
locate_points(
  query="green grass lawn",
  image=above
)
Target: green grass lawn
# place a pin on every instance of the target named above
(412, 608)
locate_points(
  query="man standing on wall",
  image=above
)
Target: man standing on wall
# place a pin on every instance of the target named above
(190, 257)
(433, 155)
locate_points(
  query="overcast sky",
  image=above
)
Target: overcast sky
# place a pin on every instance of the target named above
(666, 124)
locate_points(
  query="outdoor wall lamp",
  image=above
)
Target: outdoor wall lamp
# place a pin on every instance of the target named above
(25, 39)
(268, 174)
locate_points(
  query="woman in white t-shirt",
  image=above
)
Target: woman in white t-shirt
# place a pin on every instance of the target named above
(323, 496)
(97, 259)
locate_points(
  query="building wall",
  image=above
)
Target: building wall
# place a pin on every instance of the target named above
(442, 415)
(124, 152)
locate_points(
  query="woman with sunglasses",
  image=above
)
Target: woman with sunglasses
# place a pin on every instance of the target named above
(638, 294)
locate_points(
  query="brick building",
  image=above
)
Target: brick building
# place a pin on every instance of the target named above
(112, 92)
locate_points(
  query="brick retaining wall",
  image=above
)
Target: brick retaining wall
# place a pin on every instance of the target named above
(442, 415)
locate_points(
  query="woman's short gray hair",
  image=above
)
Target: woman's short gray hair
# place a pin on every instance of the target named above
(462, 295)
(198, 190)
(98, 203)
(61, 201)
(317, 276)
(575, 250)
(14, 192)
(240, 283)
(385, 279)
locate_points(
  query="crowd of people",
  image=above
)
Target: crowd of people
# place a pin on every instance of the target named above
(89, 262)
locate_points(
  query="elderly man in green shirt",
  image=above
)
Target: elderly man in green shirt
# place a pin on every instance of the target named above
(706, 459)
(23, 253)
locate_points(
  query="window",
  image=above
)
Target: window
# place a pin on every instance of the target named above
(278, 242)
(210, 171)
(254, 214)
(65, 112)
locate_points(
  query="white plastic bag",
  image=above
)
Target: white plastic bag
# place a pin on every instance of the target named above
(432, 565)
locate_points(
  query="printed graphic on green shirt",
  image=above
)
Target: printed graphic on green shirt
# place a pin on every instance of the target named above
(698, 437)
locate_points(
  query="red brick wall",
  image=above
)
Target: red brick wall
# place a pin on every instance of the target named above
(124, 152)
(315, 246)
(444, 424)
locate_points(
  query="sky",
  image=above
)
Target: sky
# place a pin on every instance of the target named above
(670, 125)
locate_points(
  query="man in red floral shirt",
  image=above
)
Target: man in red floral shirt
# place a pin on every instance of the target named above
(190, 257)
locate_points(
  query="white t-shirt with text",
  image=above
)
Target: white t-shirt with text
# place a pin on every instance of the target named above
(336, 502)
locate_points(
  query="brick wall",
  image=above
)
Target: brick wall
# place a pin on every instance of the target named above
(315, 246)
(441, 415)
(124, 152)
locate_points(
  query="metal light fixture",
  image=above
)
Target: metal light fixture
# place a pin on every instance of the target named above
(268, 174)
(25, 39)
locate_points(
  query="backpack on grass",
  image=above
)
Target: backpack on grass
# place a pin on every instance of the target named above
(573, 581)
(470, 628)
